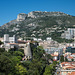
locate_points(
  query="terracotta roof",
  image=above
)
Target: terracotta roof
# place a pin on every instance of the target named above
(70, 67)
(12, 43)
(68, 62)
(73, 53)
(53, 55)
(64, 62)
(65, 55)
(72, 73)
(70, 57)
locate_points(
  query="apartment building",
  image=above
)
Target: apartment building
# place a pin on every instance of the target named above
(69, 34)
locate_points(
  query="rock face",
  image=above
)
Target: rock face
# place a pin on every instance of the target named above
(21, 17)
(35, 14)
(31, 15)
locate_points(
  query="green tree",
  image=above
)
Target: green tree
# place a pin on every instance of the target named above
(48, 70)
(66, 59)
(48, 56)
(62, 58)
(26, 64)
(35, 68)
(18, 53)
(6, 65)
(20, 70)
(1, 42)
(15, 60)
(2, 50)
(21, 50)
(38, 52)
(72, 59)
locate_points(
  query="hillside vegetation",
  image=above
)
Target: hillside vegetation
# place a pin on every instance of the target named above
(11, 62)
(39, 25)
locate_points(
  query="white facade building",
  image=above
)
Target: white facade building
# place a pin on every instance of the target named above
(8, 39)
(49, 39)
(69, 34)
(10, 42)
(11, 46)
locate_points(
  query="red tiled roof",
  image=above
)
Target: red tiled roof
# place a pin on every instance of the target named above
(64, 62)
(67, 62)
(73, 53)
(53, 55)
(70, 57)
(72, 73)
(70, 67)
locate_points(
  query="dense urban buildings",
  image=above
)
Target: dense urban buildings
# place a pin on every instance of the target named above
(58, 51)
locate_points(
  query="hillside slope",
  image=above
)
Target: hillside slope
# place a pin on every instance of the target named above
(38, 24)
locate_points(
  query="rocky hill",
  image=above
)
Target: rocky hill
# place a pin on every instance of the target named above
(38, 24)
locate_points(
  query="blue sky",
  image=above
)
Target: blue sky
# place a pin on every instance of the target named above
(9, 9)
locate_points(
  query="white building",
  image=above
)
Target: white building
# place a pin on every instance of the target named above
(49, 39)
(35, 39)
(10, 42)
(8, 39)
(11, 46)
(69, 34)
